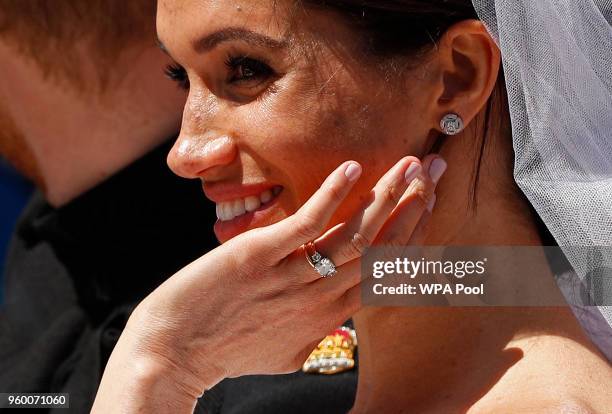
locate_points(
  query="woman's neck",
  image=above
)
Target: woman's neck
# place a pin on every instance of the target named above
(438, 359)
(422, 360)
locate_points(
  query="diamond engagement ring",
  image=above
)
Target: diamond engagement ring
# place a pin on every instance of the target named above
(323, 265)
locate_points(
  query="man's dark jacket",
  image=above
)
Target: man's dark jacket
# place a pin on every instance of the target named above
(74, 274)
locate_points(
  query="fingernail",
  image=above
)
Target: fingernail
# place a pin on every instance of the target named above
(431, 203)
(436, 169)
(412, 171)
(353, 171)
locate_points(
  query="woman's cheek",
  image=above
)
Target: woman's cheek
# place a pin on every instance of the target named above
(305, 133)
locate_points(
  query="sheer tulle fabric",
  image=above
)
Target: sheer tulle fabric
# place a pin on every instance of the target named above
(557, 60)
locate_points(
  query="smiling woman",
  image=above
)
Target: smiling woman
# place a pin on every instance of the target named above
(283, 105)
(281, 95)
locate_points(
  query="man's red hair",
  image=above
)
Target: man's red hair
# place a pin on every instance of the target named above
(48, 32)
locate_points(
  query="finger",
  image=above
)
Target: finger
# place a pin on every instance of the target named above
(348, 241)
(351, 302)
(419, 234)
(397, 227)
(331, 288)
(351, 275)
(340, 304)
(419, 199)
(342, 243)
(313, 217)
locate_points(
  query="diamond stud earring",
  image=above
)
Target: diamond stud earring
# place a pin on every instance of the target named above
(451, 124)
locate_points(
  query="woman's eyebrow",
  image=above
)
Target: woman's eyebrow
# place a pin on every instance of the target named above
(212, 40)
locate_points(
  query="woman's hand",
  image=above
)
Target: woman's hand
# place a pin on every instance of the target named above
(255, 305)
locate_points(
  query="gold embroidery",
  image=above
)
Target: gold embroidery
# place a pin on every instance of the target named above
(334, 353)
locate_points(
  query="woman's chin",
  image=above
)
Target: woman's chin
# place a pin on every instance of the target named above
(267, 214)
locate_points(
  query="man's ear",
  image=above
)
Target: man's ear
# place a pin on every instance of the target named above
(468, 60)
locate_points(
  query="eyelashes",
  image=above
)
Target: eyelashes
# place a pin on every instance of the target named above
(243, 71)
(178, 74)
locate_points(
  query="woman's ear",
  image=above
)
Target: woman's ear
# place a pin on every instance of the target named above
(469, 62)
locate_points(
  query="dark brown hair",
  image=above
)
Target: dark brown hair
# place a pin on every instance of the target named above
(411, 28)
(393, 27)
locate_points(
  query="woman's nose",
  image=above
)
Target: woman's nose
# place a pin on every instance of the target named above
(193, 156)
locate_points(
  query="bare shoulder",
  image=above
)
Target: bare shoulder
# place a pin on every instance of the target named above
(555, 376)
(565, 406)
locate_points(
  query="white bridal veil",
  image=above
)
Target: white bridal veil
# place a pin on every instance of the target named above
(557, 60)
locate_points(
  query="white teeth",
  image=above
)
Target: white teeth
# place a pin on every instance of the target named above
(238, 207)
(228, 210)
(252, 203)
(219, 211)
(265, 196)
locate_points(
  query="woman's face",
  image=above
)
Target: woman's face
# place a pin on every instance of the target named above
(279, 96)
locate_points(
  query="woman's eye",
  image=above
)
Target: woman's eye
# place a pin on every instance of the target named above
(243, 71)
(178, 74)
(248, 71)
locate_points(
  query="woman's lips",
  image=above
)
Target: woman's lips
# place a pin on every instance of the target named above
(237, 215)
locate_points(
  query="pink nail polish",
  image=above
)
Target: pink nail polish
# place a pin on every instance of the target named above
(412, 171)
(436, 169)
(353, 171)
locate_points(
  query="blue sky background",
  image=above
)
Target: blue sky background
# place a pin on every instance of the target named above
(14, 193)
